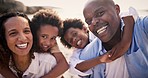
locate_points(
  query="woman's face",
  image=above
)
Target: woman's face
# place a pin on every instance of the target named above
(47, 37)
(18, 35)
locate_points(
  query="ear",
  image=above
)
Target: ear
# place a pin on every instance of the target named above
(85, 29)
(117, 7)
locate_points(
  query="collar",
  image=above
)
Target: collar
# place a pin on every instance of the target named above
(122, 24)
(33, 66)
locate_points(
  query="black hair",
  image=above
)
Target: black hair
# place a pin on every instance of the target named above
(67, 24)
(41, 18)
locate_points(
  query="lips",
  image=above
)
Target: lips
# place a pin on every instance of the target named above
(101, 30)
(79, 42)
(22, 46)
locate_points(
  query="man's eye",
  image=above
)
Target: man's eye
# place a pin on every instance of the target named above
(88, 22)
(99, 14)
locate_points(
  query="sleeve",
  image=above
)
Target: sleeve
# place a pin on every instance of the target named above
(145, 22)
(132, 12)
(74, 60)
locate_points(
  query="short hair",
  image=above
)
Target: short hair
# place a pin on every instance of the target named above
(4, 49)
(44, 17)
(67, 24)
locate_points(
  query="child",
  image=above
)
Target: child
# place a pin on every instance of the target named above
(75, 34)
(16, 40)
(46, 26)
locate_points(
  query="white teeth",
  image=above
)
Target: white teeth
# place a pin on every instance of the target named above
(22, 45)
(45, 46)
(79, 42)
(101, 30)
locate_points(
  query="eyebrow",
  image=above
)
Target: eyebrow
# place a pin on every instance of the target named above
(11, 30)
(98, 9)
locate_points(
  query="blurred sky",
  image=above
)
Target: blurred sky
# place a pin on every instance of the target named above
(73, 8)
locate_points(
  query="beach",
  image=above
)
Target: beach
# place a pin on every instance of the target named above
(74, 9)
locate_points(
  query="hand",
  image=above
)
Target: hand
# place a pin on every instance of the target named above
(55, 48)
(105, 58)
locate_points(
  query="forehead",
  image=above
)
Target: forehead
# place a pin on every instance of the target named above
(48, 29)
(71, 30)
(96, 4)
(16, 22)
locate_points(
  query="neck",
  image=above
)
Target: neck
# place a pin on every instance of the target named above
(22, 62)
(111, 43)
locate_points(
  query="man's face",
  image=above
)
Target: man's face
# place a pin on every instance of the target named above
(102, 18)
(76, 37)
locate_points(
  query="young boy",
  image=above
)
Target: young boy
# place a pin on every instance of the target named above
(75, 34)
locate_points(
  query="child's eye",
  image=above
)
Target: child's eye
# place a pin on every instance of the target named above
(44, 36)
(74, 34)
(53, 38)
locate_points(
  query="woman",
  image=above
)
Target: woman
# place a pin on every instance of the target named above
(17, 40)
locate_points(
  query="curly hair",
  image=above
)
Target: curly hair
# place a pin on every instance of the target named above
(41, 18)
(67, 24)
(5, 52)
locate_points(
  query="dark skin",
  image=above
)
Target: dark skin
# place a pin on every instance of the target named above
(105, 15)
(114, 53)
(117, 51)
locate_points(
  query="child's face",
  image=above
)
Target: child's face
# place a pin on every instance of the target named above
(76, 37)
(47, 37)
(18, 35)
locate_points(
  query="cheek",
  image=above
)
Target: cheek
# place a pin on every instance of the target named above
(91, 28)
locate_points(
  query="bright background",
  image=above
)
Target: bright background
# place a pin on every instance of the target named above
(74, 9)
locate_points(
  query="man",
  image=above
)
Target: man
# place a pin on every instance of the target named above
(104, 21)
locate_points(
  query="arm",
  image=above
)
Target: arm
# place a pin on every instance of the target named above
(126, 40)
(92, 53)
(88, 64)
(61, 66)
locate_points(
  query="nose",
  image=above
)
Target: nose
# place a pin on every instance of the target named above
(22, 37)
(73, 39)
(47, 42)
(94, 22)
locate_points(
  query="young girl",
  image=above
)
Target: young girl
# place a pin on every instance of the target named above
(17, 40)
(46, 26)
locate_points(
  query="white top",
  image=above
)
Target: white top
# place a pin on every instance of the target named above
(113, 68)
(40, 65)
(74, 59)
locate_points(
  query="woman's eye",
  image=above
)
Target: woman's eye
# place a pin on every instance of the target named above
(27, 31)
(12, 33)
